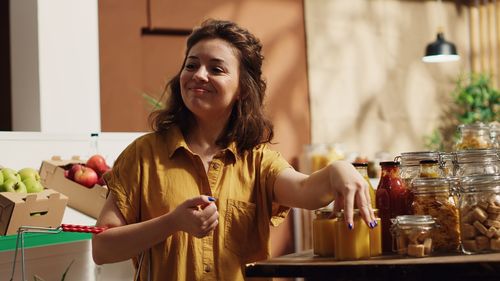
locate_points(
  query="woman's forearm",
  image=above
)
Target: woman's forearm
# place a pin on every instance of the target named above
(298, 190)
(127, 241)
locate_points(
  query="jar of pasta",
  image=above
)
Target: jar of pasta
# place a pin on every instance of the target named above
(476, 162)
(412, 235)
(324, 233)
(474, 136)
(479, 205)
(432, 197)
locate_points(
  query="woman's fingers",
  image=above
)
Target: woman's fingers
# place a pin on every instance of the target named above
(349, 207)
(363, 203)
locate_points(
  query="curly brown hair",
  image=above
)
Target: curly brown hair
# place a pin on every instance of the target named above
(247, 124)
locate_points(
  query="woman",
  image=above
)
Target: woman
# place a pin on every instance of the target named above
(199, 193)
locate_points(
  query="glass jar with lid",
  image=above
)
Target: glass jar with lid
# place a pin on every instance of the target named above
(392, 199)
(430, 169)
(412, 235)
(479, 205)
(410, 164)
(432, 197)
(473, 136)
(476, 162)
(324, 232)
(352, 244)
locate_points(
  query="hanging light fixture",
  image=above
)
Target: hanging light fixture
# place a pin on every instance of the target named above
(440, 50)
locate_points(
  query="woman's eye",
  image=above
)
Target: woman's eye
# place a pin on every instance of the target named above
(217, 70)
(190, 66)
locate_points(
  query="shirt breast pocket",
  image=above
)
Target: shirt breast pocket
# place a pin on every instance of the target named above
(241, 232)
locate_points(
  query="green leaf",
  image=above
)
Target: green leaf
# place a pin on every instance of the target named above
(156, 104)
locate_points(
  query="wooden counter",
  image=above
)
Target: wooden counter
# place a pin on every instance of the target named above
(447, 268)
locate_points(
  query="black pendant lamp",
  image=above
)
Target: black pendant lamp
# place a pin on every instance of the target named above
(440, 50)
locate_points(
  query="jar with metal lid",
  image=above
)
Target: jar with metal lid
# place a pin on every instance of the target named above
(476, 162)
(412, 234)
(479, 205)
(392, 199)
(473, 136)
(430, 169)
(433, 197)
(324, 232)
(352, 244)
(410, 164)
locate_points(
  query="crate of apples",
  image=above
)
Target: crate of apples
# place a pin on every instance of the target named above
(26, 180)
(89, 173)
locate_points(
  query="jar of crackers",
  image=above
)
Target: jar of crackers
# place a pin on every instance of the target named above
(479, 205)
(412, 235)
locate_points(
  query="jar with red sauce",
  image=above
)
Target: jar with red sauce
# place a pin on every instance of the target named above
(392, 200)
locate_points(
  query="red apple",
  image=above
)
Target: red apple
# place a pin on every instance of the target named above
(98, 164)
(86, 176)
(74, 168)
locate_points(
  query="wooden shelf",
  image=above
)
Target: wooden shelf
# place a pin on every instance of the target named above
(452, 267)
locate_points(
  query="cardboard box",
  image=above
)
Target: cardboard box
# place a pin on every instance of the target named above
(86, 200)
(45, 209)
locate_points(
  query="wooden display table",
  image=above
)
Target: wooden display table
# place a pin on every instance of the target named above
(447, 268)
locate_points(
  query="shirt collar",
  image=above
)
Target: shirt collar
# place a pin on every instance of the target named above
(176, 141)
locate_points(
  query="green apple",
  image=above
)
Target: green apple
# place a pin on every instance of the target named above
(1, 178)
(12, 185)
(9, 173)
(29, 173)
(32, 185)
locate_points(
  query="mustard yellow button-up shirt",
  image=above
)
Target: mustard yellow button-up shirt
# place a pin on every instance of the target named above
(157, 172)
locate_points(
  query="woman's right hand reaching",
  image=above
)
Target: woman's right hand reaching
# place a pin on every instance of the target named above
(197, 216)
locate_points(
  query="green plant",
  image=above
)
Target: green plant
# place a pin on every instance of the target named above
(477, 99)
(474, 99)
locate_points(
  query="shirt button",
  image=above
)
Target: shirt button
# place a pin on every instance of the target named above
(208, 268)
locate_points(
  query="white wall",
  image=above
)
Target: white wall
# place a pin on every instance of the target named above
(55, 65)
(29, 149)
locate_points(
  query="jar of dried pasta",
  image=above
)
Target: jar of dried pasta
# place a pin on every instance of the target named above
(479, 205)
(474, 136)
(412, 235)
(432, 197)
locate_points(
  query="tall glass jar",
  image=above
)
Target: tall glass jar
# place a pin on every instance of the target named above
(412, 234)
(324, 232)
(479, 205)
(362, 168)
(392, 199)
(476, 162)
(432, 197)
(474, 136)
